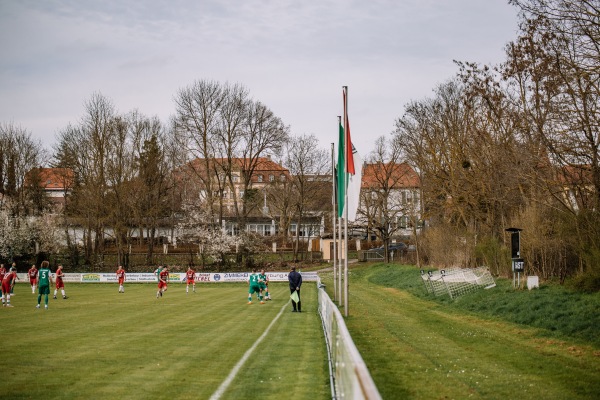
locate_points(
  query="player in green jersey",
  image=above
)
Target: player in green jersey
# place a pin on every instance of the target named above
(263, 282)
(44, 280)
(157, 272)
(254, 287)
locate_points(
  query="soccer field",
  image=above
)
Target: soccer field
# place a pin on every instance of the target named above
(101, 344)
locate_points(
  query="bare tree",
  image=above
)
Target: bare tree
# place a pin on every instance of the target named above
(307, 165)
(19, 154)
(263, 135)
(85, 149)
(229, 140)
(463, 142)
(120, 177)
(197, 120)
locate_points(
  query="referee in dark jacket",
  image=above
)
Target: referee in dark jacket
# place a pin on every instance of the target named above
(295, 282)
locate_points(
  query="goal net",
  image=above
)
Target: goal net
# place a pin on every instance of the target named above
(457, 281)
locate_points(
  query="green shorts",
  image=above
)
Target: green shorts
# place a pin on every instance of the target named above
(44, 289)
(255, 288)
(262, 285)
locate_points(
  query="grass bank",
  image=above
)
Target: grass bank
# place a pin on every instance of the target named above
(480, 346)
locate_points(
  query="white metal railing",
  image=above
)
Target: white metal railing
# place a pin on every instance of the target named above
(350, 378)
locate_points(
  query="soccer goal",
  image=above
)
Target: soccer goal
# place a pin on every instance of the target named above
(457, 281)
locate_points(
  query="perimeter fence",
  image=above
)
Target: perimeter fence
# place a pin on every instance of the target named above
(350, 378)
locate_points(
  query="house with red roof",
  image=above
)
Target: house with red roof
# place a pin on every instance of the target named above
(394, 187)
(55, 182)
(201, 173)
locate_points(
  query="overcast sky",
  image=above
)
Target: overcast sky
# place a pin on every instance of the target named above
(292, 55)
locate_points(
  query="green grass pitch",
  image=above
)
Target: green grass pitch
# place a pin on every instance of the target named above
(101, 344)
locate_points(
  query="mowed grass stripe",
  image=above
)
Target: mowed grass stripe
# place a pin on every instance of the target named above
(102, 344)
(249, 353)
(416, 349)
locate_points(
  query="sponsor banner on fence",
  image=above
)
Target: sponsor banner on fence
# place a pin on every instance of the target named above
(71, 277)
(148, 277)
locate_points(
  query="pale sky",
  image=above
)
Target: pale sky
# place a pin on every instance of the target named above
(293, 56)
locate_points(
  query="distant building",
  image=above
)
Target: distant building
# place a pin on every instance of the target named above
(195, 182)
(56, 183)
(396, 187)
(196, 179)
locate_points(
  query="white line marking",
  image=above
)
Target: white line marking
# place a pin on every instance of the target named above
(219, 392)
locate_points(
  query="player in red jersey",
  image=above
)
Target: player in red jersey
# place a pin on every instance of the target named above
(190, 277)
(121, 278)
(59, 282)
(33, 275)
(7, 283)
(12, 288)
(163, 279)
(2, 272)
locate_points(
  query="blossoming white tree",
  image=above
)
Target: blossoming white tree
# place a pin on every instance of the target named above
(212, 242)
(23, 236)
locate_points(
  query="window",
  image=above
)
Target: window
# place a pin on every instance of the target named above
(282, 177)
(260, 229)
(407, 197)
(259, 178)
(232, 229)
(271, 178)
(403, 222)
(305, 231)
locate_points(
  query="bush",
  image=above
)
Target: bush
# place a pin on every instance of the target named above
(588, 283)
(494, 255)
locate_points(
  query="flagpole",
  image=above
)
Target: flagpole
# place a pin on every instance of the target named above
(333, 203)
(346, 146)
(341, 167)
(340, 258)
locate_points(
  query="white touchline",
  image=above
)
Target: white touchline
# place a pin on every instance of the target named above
(219, 392)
